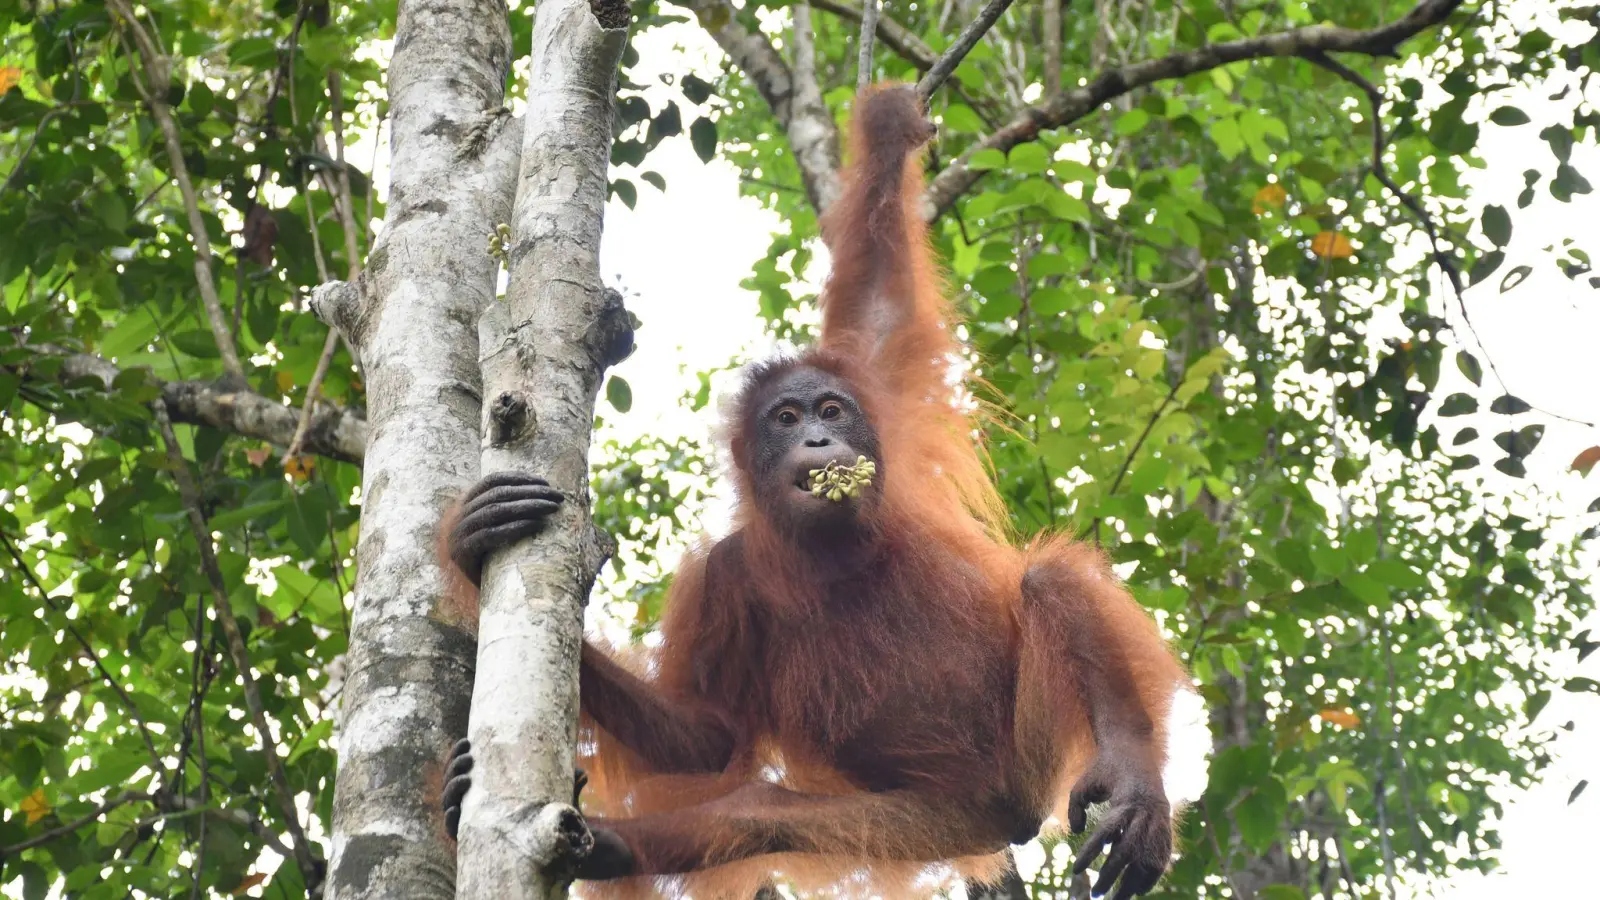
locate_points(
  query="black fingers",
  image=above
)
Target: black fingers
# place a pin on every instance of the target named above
(1141, 849)
(610, 857)
(1084, 793)
(501, 509)
(457, 767)
(1110, 830)
(508, 478)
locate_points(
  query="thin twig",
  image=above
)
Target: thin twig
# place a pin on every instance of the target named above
(22, 159)
(1134, 450)
(1052, 45)
(344, 204)
(46, 837)
(88, 650)
(310, 869)
(150, 74)
(958, 51)
(869, 28)
(1441, 256)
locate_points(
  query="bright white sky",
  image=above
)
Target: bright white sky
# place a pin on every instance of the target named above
(685, 252)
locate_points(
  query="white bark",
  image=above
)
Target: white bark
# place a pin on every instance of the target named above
(412, 317)
(543, 354)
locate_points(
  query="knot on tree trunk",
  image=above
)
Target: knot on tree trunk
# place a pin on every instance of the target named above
(610, 13)
(614, 326)
(509, 418)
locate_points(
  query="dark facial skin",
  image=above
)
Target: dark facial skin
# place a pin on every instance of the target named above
(800, 422)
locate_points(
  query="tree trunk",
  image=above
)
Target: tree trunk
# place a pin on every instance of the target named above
(412, 320)
(544, 351)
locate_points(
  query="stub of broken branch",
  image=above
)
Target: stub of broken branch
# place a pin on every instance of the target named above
(338, 305)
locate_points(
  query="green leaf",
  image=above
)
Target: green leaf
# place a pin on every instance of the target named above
(987, 159)
(1470, 367)
(959, 117)
(619, 394)
(697, 89)
(1520, 443)
(1486, 266)
(1465, 435)
(1225, 132)
(1497, 225)
(1396, 573)
(655, 179)
(703, 135)
(1568, 181)
(1559, 137)
(1257, 817)
(1577, 791)
(1515, 277)
(625, 191)
(1507, 405)
(1132, 122)
(1458, 405)
(1582, 685)
(1328, 559)
(1365, 588)
(198, 344)
(1029, 159)
(1509, 116)
(1511, 466)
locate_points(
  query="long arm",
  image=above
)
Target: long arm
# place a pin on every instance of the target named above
(671, 735)
(1088, 651)
(882, 271)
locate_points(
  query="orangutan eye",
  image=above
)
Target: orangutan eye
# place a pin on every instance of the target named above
(832, 410)
(788, 417)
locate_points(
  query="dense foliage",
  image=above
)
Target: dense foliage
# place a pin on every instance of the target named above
(1215, 339)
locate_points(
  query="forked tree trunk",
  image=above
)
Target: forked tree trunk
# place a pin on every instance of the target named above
(412, 320)
(544, 350)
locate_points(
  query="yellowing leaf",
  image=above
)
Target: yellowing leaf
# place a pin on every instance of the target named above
(259, 456)
(9, 76)
(1586, 460)
(34, 806)
(248, 882)
(284, 379)
(299, 467)
(1272, 196)
(1340, 717)
(1332, 245)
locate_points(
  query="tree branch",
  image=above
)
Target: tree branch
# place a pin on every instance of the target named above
(958, 51)
(311, 869)
(798, 106)
(344, 205)
(869, 27)
(334, 433)
(1066, 108)
(1052, 47)
(895, 36)
(46, 837)
(150, 77)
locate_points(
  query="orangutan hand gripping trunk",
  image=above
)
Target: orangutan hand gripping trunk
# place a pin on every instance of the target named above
(866, 675)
